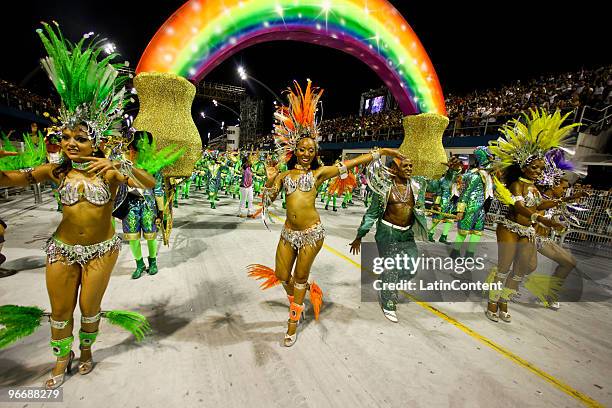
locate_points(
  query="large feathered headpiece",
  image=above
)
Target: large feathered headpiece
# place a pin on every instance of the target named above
(91, 91)
(531, 138)
(297, 120)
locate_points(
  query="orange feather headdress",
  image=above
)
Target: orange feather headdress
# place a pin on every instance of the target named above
(297, 120)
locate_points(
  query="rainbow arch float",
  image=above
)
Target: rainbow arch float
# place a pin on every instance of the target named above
(203, 33)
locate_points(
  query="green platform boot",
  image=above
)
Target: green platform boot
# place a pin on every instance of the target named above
(152, 266)
(140, 268)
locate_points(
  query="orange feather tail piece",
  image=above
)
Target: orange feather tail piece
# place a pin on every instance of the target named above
(316, 298)
(259, 272)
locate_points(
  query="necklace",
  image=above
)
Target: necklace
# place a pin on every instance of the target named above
(403, 198)
(80, 166)
(300, 167)
(524, 180)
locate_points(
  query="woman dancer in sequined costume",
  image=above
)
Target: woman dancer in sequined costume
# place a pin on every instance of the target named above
(302, 235)
(521, 156)
(83, 250)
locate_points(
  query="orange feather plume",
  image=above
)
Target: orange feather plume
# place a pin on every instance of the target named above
(316, 298)
(259, 272)
(297, 119)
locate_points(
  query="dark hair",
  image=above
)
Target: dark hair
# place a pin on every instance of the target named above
(315, 164)
(512, 174)
(245, 164)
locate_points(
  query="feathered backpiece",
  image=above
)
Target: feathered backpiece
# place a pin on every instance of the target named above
(555, 167)
(531, 138)
(91, 90)
(297, 120)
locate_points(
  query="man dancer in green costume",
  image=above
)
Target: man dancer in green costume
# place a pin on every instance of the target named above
(446, 190)
(473, 203)
(400, 218)
(145, 212)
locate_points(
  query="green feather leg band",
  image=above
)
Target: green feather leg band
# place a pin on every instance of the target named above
(62, 348)
(87, 339)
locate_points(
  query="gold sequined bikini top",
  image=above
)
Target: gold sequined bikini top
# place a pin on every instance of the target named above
(97, 193)
(305, 182)
(531, 199)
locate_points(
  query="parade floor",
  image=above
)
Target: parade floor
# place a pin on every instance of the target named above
(217, 337)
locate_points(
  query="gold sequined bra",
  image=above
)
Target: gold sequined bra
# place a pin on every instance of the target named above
(305, 182)
(96, 193)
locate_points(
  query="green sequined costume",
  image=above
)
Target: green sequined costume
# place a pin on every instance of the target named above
(392, 242)
(446, 190)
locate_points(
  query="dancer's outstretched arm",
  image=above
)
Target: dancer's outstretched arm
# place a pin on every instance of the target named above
(327, 172)
(16, 178)
(273, 183)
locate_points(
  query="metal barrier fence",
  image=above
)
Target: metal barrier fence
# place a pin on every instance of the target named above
(35, 188)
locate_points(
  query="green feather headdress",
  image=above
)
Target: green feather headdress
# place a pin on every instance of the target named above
(531, 138)
(91, 90)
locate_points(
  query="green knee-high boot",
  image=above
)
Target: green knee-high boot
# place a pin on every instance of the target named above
(432, 231)
(445, 231)
(458, 244)
(152, 246)
(471, 250)
(137, 252)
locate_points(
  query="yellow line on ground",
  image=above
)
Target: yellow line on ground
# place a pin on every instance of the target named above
(585, 399)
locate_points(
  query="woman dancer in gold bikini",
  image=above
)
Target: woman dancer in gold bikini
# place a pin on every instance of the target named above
(302, 235)
(83, 250)
(521, 155)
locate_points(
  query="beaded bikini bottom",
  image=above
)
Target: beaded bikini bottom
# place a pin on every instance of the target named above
(309, 236)
(69, 254)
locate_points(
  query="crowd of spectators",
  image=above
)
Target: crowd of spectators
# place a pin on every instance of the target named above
(20, 98)
(381, 125)
(472, 114)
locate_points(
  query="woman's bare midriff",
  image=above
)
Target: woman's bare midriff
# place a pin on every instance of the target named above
(301, 211)
(82, 224)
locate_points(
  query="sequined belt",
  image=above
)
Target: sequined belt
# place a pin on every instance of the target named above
(393, 226)
(298, 239)
(69, 254)
(519, 229)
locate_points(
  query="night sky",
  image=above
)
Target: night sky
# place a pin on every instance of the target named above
(471, 47)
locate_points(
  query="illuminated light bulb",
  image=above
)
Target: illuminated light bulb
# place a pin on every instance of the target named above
(169, 30)
(279, 10)
(168, 57)
(266, 24)
(326, 6)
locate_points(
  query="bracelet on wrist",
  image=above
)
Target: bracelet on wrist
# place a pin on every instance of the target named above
(375, 153)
